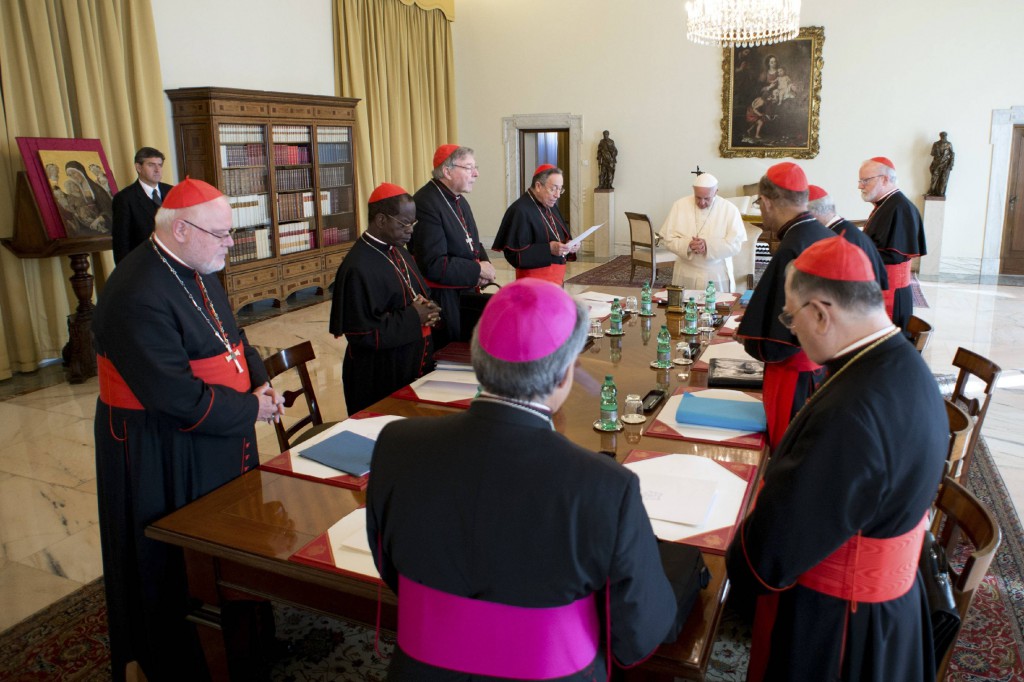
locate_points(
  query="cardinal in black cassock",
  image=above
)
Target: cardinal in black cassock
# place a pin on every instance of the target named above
(381, 304)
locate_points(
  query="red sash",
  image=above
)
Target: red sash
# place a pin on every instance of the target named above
(216, 370)
(869, 570)
(487, 638)
(778, 390)
(554, 273)
(899, 278)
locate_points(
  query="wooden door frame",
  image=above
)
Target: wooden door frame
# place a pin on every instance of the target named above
(1016, 155)
(1001, 136)
(511, 126)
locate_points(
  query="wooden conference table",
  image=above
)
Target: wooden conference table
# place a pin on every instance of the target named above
(237, 540)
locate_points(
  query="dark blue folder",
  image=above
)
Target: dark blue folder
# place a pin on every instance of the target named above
(346, 451)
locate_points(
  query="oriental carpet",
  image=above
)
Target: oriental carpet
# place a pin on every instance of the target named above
(68, 640)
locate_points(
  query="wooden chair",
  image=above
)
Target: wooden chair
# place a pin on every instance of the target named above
(643, 247)
(296, 358)
(920, 332)
(960, 427)
(971, 364)
(958, 513)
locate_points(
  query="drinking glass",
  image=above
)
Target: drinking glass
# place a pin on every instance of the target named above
(596, 332)
(633, 410)
(631, 305)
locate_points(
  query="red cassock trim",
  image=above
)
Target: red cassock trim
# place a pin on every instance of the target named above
(779, 386)
(899, 278)
(554, 273)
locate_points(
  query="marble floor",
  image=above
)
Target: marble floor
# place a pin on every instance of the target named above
(49, 539)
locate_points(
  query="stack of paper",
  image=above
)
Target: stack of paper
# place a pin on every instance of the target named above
(344, 548)
(598, 305)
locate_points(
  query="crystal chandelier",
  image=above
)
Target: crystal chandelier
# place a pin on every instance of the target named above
(742, 23)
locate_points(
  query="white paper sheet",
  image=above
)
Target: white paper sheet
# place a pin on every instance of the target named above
(730, 491)
(667, 416)
(579, 239)
(446, 386)
(730, 349)
(678, 499)
(348, 554)
(369, 427)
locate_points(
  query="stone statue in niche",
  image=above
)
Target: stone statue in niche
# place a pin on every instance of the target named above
(606, 156)
(942, 163)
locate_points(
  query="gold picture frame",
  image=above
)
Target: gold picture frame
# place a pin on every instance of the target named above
(771, 98)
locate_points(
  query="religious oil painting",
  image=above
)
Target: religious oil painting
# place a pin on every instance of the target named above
(771, 98)
(72, 185)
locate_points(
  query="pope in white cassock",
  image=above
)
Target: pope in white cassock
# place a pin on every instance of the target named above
(704, 232)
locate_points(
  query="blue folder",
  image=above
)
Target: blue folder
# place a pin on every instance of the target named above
(745, 298)
(724, 414)
(346, 451)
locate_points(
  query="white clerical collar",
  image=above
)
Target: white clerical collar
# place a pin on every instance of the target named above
(537, 409)
(169, 252)
(881, 200)
(379, 241)
(865, 341)
(836, 219)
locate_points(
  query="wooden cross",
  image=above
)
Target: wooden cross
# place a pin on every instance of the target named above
(698, 172)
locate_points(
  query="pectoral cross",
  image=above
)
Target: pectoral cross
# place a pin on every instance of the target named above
(232, 356)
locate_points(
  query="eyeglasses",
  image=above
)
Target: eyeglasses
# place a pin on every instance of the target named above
(864, 181)
(787, 318)
(230, 233)
(404, 224)
(471, 169)
(557, 191)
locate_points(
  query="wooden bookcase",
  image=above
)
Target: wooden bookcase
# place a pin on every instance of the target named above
(287, 164)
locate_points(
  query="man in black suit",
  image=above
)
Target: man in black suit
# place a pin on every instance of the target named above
(135, 206)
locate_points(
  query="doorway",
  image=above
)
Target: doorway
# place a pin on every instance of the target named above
(1011, 259)
(546, 146)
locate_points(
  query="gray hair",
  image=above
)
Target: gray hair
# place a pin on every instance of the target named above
(165, 217)
(534, 379)
(857, 297)
(884, 170)
(457, 155)
(824, 206)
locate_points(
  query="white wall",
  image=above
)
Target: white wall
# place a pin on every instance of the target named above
(892, 80)
(252, 44)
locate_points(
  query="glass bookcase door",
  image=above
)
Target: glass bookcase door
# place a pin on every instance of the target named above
(337, 183)
(243, 168)
(293, 180)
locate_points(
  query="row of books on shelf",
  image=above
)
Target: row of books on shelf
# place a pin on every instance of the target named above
(332, 176)
(293, 243)
(332, 134)
(293, 178)
(337, 235)
(291, 134)
(294, 206)
(336, 200)
(250, 245)
(242, 155)
(290, 154)
(295, 228)
(334, 153)
(245, 180)
(249, 210)
(240, 133)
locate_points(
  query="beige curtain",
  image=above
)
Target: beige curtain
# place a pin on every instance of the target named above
(68, 68)
(398, 60)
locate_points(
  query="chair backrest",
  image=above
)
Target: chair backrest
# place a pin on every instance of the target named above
(920, 332)
(743, 262)
(971, 364)
(959, 514)
(295, 358)
(960, 427)
(641, 233)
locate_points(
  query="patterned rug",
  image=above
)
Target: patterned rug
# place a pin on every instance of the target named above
(68, 640)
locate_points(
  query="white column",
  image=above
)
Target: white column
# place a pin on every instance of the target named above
(604, 212)
(934, 219)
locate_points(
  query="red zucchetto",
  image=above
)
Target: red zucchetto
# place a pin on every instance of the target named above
(190, 192)
(789, 176)
(386, 190)
(837, 259)
(543, 167)
(884, 161)
(814, 192)
(443, 152)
